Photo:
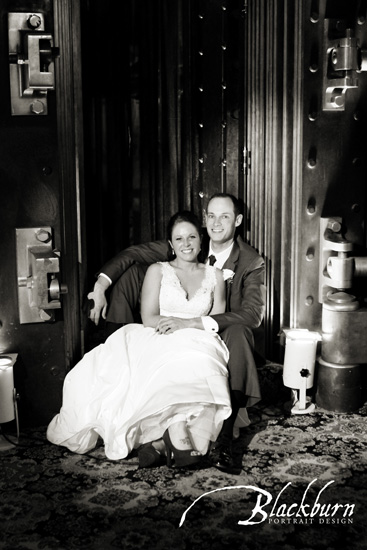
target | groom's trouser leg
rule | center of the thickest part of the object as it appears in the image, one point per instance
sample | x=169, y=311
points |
x=243, y=378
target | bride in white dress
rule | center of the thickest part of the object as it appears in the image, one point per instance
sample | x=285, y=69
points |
x=159, y=387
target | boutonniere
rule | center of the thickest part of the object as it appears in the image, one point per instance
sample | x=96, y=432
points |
x=228, y=275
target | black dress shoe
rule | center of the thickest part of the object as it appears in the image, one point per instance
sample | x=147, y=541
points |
x=221, y=457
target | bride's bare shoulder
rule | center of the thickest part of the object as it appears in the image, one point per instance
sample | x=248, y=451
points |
x=154, y=270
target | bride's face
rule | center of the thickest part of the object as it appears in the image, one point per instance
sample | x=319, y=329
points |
x=185, y=241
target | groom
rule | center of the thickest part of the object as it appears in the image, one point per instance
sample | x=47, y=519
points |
x=244, y=273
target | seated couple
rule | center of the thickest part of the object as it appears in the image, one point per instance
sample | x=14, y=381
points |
x=174, y=384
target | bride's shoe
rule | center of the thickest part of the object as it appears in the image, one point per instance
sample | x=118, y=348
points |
x=183, y=459
x=149, y=456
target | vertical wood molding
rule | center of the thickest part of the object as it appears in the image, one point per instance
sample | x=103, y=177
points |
x=286, y=165
x=297, y=171
x=69, y=127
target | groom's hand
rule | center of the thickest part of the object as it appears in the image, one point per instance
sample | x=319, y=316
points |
x=98, y=295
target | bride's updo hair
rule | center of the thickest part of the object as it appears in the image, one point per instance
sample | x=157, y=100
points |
x=182, y=216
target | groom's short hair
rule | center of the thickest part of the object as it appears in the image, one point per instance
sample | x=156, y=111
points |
x=237, y=206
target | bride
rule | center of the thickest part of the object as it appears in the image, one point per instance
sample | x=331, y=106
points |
x=160, y=387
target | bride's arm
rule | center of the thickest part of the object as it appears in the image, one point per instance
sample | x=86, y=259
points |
x=149, y=308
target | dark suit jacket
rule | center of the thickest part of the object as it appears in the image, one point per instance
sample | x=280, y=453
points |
x=245, y=292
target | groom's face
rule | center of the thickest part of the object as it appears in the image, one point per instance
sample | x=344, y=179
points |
x=221, y=220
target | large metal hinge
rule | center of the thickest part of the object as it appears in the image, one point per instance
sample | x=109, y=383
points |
x=344, y=59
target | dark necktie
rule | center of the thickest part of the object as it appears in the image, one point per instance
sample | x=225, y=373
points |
x=212, y=259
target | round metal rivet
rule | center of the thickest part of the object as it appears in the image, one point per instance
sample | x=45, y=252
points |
x=310, y=255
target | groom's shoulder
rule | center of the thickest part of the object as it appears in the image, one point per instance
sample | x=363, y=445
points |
x=247, y=253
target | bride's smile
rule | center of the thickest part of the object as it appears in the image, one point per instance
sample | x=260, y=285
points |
x=185, y=242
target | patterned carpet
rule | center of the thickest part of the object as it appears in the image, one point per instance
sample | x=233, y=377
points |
x=296, y=469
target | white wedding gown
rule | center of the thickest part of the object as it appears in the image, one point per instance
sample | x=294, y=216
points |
x=129, y=389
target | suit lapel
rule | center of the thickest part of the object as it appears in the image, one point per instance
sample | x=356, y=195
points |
x=231, y=264
x=232, y=260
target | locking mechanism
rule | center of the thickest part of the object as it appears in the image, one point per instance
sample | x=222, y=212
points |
x=38, y=266
x=31, y=58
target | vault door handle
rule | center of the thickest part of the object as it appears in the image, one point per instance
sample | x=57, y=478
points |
x=44, y=285
x=40, y=62
x=38, y=266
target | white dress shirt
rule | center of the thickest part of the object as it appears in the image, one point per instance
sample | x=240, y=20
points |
x=209, y=323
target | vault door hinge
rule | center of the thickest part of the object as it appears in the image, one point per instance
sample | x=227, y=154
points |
x=344, y=59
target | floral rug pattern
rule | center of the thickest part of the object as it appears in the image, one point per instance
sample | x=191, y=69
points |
x=304, y=475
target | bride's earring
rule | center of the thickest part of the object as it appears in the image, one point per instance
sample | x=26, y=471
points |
x=173, y=252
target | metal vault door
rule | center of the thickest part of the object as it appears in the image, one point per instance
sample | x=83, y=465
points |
x=307, y=172
x=41, y=244
x=328, y=290
x=331, y=171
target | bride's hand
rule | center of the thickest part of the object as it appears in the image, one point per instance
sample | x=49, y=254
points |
x=171, y=324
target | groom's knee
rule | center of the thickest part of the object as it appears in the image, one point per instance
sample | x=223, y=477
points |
x=238, y=336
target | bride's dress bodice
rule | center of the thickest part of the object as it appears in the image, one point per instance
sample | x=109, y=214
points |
x=173, y=299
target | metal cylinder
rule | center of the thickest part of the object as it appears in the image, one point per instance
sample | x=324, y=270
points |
x=360, y=267
x=339, y=387
x=7, y=411
x=344, y=339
